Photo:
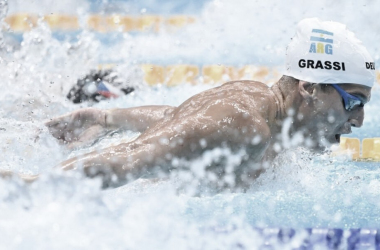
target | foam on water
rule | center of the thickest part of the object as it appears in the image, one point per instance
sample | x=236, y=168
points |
x=67, y=210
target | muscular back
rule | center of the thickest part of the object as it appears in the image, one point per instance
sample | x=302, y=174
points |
x=234, y=114
x=248, y=97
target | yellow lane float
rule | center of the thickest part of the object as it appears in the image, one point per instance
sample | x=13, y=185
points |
x=22, y=22
x=370, y=149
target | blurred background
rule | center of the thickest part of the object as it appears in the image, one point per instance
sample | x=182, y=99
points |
x=231, y=34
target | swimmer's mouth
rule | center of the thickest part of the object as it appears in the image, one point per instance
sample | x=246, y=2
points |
x=337, y=138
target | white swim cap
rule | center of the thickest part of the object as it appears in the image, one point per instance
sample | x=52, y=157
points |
x=326, y=52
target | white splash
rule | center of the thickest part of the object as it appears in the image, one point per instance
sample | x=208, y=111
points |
x=67, y=210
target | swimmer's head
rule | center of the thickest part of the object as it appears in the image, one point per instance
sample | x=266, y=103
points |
x=334, y=74
x=328, y=53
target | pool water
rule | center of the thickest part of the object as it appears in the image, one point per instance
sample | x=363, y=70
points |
x=69, y=211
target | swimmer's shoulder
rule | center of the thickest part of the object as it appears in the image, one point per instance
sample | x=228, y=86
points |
x=246, y=84
x=254, y=96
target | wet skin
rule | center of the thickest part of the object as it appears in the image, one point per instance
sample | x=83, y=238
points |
x=239, y=115
x=326, y=119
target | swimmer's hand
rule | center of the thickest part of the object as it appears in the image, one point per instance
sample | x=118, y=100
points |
x=79, y=128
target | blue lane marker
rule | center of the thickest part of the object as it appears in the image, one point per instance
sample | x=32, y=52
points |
x=312, y=238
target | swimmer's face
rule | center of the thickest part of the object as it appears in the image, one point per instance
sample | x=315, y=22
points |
x=325, y=117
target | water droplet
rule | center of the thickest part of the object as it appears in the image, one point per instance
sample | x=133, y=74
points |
x=331, y=118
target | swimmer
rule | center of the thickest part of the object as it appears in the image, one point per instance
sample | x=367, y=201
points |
x=320, y=97
x=98, y=85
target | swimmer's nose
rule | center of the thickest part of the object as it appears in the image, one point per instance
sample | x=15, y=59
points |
x=357, y=118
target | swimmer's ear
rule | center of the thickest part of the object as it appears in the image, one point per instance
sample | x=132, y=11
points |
x=306, y=90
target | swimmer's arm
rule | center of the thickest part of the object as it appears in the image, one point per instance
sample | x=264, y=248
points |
x=129, y=161
x=83, y=126
x=137, y=118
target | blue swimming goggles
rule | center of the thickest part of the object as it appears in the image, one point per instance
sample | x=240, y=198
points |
x=350, y=101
